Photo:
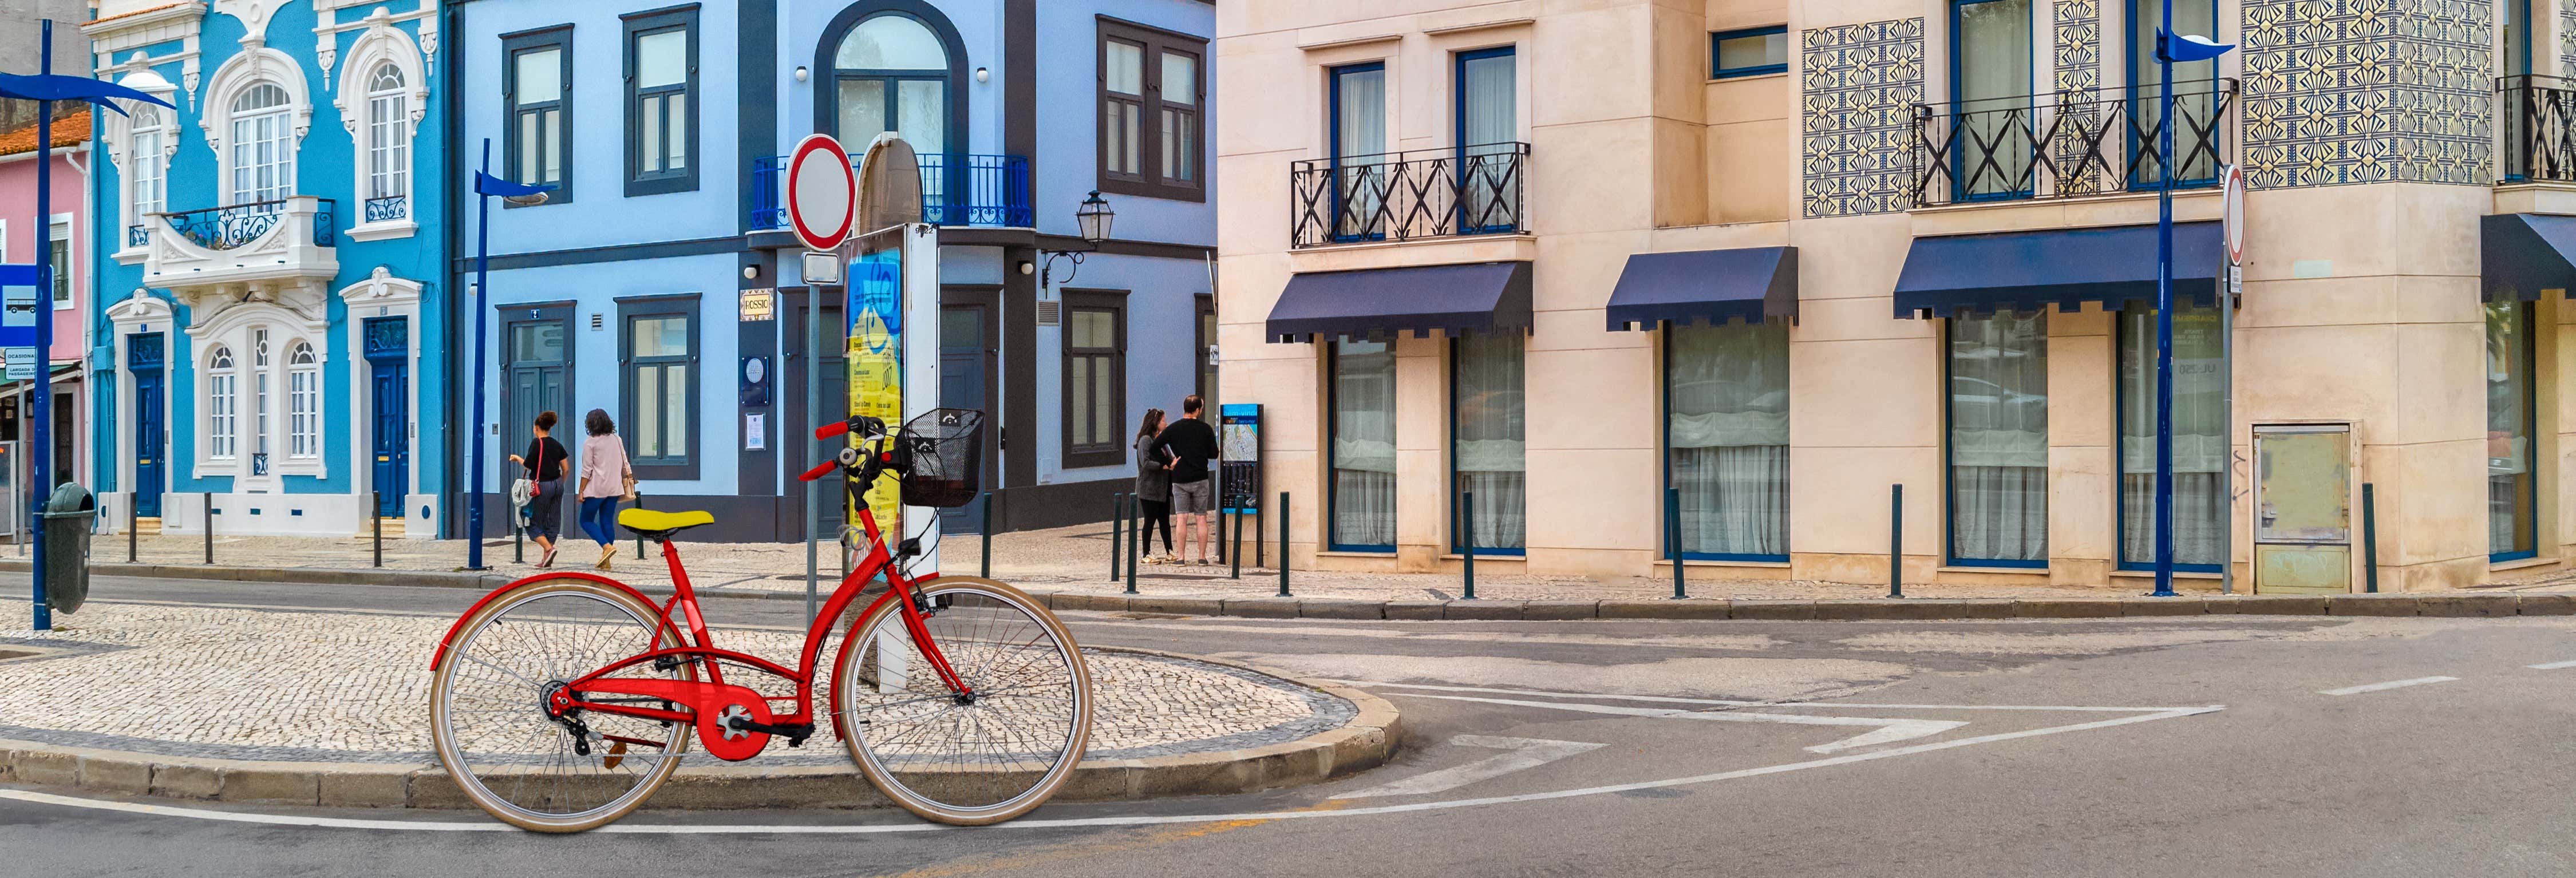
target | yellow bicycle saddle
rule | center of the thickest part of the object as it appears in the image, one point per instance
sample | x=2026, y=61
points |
x=656, y=524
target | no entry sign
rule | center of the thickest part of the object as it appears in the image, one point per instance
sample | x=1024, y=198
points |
x=822, y=192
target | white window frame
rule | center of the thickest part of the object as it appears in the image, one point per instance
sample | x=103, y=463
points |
x=381, y=44
x=249, y=69
x=221, y=372
x=118, y=136
x=304, y=402
x=263, y=393
x=64, y=229
x=241, y=162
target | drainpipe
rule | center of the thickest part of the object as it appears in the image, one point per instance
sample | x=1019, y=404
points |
x=451, y=115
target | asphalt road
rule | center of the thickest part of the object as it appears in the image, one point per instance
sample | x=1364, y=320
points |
x=1613, y=748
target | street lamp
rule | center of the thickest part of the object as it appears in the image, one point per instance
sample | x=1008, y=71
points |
x=486, y=188
x=2169, y=49
x=1092, y=219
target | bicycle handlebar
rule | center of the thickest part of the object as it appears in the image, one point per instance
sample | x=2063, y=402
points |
x=866, y=426
x=819, y=471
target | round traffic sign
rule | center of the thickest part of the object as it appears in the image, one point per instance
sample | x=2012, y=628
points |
x=2232, y=213
x=822, y=192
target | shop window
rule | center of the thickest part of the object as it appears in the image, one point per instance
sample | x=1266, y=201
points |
x=1488, y=429
x=1361, y=382
x=1726, y=427
x=2199, y=444
x=1998, y=440
x=2512, y=493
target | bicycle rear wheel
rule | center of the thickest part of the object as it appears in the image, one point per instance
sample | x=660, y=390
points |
x=489, y=723
x=966, y=760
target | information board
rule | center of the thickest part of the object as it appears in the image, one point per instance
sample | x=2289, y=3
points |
x=1239, y=456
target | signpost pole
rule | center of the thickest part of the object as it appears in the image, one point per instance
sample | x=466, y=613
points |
x=42, y=408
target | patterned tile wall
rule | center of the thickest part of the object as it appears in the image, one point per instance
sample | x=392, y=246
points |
x=1858, y=86
x=2567, y=38
x=2079, y=45
x=2367, y=91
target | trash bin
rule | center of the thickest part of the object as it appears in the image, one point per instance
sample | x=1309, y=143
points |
x=66, y=548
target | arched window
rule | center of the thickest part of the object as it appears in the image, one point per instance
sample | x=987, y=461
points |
x=388, y=141
x=222, y=385
x=262, y=142
x=146, y=169
x=259, y=413
x=890, y=73
x=304, y=402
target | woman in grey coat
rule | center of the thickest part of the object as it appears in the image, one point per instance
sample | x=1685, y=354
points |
x=1153, y=488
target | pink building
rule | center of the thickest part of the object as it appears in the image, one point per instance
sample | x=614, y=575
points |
x=69, y=247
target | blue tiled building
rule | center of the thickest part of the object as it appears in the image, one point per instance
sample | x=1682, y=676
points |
x=659, y=277
x=269, y=283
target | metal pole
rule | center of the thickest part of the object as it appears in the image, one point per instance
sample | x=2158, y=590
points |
x=1467, y=541
x=1896, y=541
x=1673, y=539
x=42, y=407
x=1283, y=544
x=1117, y=513
x=518, y=539
x=482, y=286
x=2369, y=538
x=209, y=498
x=2227, y=432
x=133, y=529
x=1238, y=545
x=1135, y=534
x=986, y=537
x=813, y=503
x=2164, y=306
x=639, y=538
x=1257, y=557
x=379, y=519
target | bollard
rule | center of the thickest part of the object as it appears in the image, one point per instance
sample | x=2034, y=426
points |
x=1467, y=541
x=1117, y=517
x=1238, y=545
x=2369, y=538
x=1135, y=534
x=1896, y=541
x=379, y=518
x=133, y=526
x=986, y=537
x=639, y=538
x=1283, y=545
x=210, y=526
x=518, y=542
x=1673, y=538
x=1257, y=557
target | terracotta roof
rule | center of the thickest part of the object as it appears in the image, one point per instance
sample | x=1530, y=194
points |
x=70, y=129
x=133, y=13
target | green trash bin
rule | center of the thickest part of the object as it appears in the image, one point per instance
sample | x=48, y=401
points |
x=67, y=525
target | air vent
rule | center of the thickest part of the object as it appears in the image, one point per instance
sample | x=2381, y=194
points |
x=1050, y=313
x=595, y=322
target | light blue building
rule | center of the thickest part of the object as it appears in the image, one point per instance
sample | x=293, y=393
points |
x=660, y=279
x=270, y=297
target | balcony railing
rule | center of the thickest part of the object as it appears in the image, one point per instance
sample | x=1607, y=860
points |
x=2070, y=145
x=137, y=236
x=388, y=208
x=224, y=228
x=2539, y=114
x=956, y=190
x=1403, y=196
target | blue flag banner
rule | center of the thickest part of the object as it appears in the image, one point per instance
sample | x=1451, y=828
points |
x=59, y=87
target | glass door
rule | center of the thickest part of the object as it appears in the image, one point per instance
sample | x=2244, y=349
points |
x=1488, y=134
x=1990, y=93
x=1358, y=138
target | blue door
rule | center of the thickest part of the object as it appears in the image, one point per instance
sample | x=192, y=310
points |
x=143, y=359
x=389, y=361
x=963, y=375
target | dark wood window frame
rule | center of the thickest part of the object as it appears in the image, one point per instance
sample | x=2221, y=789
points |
x=1113, y=452
x=687, y=305
x=1152, y=180
x=683, y=131
x=558, y=37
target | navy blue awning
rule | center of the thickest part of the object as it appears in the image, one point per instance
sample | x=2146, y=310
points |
x=2525, y=254
x=2026, y=271
x=1421, y=299
x=1715, y=286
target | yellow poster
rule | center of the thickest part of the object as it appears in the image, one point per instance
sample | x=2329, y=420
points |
x=875, y=308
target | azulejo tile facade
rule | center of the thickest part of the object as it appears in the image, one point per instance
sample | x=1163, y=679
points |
x=1858, y=87
x=2079, y=46
x=2567, y=38
x=2367, y=91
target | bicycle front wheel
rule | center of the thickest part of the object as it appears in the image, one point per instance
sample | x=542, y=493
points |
x=992, y=753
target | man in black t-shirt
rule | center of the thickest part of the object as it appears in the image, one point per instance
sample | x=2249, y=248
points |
x=1192, y=446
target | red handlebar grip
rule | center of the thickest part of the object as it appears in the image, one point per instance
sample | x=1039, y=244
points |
x=818, y=471
x=832, y=429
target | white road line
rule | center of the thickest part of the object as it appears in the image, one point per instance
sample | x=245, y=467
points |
x=1662, y=699
x=1525, y=753
x=2392, y=684
x=1134, y=820
x=2551, y=666
x=1888, y=729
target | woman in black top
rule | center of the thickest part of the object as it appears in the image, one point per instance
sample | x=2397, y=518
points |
x=545, y=464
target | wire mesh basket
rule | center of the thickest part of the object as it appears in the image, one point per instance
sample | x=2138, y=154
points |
x=941, y=456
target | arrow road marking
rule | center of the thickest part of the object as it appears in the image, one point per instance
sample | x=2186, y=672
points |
x=1888, y=730
x=1525, y=753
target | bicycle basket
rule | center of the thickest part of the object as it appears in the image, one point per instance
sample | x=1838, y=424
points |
x=941, y=457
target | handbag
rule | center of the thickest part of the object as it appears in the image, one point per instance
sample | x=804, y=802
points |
x=630, y=487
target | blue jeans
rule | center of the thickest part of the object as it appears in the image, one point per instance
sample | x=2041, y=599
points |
x=597, y=515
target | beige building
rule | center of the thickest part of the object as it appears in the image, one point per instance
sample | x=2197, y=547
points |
x=1764, y=261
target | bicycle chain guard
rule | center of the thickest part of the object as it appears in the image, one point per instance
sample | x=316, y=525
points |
x=708, y=702
x=725, y=742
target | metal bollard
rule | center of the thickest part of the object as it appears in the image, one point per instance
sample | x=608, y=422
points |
x=1238, y=545
x=2369, y=538
x=1673, y=539
x=133, y=527
x=378, y=516
x=210, y=526
x=1257, y=558
x=1135, y=535
x=1117, y=518
x=639, y=538
x=1283, y=545
x=1467, y=540
x=1896, y=541
x=986, y=537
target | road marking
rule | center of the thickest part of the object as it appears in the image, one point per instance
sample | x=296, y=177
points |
x=2551, y=666
x=1888, y=730
x=2392, y=684
x=1132, y=820
x=1665, y=699
x=1525, y=753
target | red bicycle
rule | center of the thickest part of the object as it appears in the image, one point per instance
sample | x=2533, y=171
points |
x=560, y=702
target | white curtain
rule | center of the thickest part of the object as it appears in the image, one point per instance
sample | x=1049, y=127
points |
x=1491, y=451
x=1359, y=116
x=1363, y=462
x=1992, y=50
x=2508, y=447
x=2199, y=436
x=1728, y=428
x=1999, y=438
x=2195, y=91
x=1489, y=132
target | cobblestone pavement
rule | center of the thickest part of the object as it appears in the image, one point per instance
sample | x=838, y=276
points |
x=354, y=687
x=1077, y=559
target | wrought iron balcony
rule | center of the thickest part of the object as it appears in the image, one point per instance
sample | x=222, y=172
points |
x=956, y=190
x=2069, y=145
x=1404, y=196
x=231, y=226
x=137, y=236
x=388, y=208
x=289, y=241
x=2539, y=115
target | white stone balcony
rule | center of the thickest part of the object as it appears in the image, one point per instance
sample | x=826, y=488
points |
x=266, y=248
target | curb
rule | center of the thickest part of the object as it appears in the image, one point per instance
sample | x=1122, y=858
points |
x=1367, y=741
x=2437, y=604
